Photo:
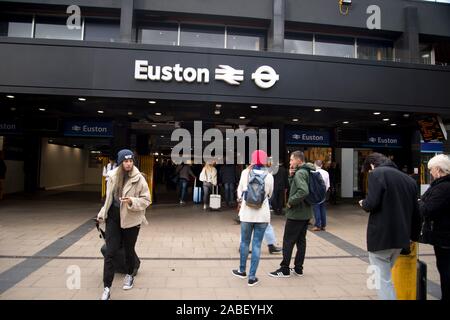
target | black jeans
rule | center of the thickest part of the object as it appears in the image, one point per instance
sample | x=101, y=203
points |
x=277, y=200
x=294, y=234
x=115, y=237
x=443, y=266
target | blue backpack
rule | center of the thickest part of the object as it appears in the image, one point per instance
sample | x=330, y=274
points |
x=317, y=188
x=255, y=194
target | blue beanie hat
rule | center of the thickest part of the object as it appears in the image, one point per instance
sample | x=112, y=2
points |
x=124, y=154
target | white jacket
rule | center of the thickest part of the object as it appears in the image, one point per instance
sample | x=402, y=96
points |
x=249, y=214
x=209, y=175
x=137, y=189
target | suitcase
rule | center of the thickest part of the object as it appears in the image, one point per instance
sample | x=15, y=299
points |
x=215, y=200
x=421, y=280
x=197, y=193
x=119, y=258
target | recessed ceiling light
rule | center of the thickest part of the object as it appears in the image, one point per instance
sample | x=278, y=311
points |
x=100, y=111
x=218, y=105
x=386, y=119
x=130, y=113
x=254, y=107
x=10, y=96
x=295, y=120
x=41, y=109
x=217, y=112
x=50, y=140
x=152, y=102
x=158, y=113
x=75, y=145
x=393, y=124
x=162, y=136
x=82, y=99
x=317, y=110
x=13, y=109
x=241, y=117
x=154, y=125
x=345, y=122
x=377, y=113
x=406, y=115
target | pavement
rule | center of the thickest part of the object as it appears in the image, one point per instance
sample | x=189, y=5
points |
x=50, y=249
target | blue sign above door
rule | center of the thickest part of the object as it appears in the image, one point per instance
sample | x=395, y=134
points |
x=88, y=129
x=431, y=147
x=384, y=141
x=318, y=138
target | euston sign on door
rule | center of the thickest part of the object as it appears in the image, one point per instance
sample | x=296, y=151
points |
x=9, y=127
x=320, y=138
x=264, y=77
x=88, y=129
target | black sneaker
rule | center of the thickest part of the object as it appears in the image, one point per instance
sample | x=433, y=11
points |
x=253, y=282
x=128, y=282
x=239, y=274
x=297, y=273
x=280, y=273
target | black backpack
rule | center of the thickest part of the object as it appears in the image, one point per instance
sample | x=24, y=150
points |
x=317, y=188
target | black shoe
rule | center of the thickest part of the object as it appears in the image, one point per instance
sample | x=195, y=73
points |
x=297, y=272
x=280, y=273
x=239, y=274
x=253, y=282
x=274, y=249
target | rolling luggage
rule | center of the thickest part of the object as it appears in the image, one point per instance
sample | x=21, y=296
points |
x=197, y=193
x=215, y=200
x=119, y=258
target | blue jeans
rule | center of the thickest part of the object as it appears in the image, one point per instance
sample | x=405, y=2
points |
x=320, y=215
x=229, y=192
x=258, y=230
x=183, y=188
x=383, y=261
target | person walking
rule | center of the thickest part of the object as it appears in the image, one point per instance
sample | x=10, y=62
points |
x=127, y=198
x=254, y=190
x=434, y=207
x=227, y=177
x=394, y=219
x=298, y=213
x=320, y=211
x=184, y=171
x=281, y=184
x=209, y=178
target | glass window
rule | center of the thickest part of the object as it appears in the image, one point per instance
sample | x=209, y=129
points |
x=298, y=44
x=16, y=26
x=165, y=34
x=210, y=37
x=335, y=46
x=425, y=53
x=100, y=30
x=242, y=39
x=375, y=50
x=55, y=28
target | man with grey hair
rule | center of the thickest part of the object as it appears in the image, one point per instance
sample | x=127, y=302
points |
x=320, y=213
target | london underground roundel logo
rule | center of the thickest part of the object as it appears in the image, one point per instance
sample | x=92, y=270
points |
x=265, y=77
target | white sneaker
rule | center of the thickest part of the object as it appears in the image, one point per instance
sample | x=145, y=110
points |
x=106, y=294
x=128, y=282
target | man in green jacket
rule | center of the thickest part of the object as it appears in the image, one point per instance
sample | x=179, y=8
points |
x=298, y=213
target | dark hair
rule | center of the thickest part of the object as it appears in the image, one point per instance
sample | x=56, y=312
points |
x=374, y=158
x=298, y=155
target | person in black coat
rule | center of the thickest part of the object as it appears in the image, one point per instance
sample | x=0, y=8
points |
x=394, y=217
x=280, y=185
x=228, y=178
x=434, y=208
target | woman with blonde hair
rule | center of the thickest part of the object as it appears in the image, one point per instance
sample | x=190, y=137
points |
x=434, y=207
x=209, y=178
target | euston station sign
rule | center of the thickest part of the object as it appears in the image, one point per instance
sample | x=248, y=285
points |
x=264, y=77
x=320, y=138
x=88, y=129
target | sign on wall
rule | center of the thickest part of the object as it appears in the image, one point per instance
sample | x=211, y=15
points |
x=384, y=141
x=88, y=129
x=306, y=137
x=9, y=127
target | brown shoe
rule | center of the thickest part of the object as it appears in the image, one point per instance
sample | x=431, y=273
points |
x=323, y=229
x=316, y=229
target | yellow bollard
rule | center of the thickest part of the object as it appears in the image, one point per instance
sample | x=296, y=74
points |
x=404, y=275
